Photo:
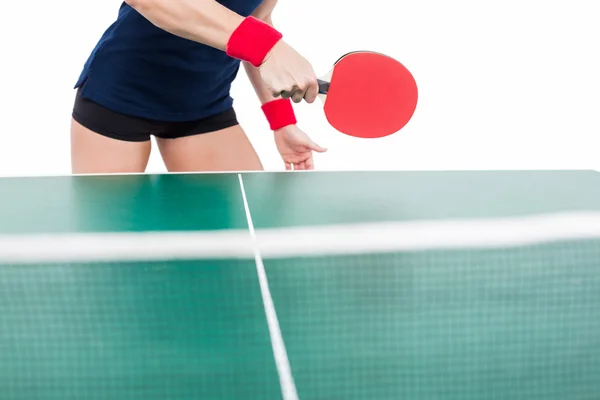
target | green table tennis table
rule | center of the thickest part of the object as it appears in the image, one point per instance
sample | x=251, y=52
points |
x=301, y=285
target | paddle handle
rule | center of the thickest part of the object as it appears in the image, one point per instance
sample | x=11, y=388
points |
x=323, y=86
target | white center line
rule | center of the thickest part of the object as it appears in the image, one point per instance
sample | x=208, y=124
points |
x=286, y=380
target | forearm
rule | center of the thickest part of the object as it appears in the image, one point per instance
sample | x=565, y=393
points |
x=263, y=93
x=203, y=21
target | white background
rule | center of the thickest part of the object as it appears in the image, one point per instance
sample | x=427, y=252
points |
x=503, y=85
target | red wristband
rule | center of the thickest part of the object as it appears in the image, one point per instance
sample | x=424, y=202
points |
x=279, y=113
x=252, y=40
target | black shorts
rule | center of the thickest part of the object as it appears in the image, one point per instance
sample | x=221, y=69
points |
x=112, y=124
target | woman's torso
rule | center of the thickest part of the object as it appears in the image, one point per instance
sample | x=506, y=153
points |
x=144, y=71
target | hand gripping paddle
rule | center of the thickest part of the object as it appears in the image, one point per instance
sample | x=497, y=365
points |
x=368, y=95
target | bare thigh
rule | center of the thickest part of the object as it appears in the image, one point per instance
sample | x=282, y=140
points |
x=93, y=153
x=228, y=149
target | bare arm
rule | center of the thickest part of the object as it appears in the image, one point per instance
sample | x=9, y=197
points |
x=203, y=21
x=263, y=12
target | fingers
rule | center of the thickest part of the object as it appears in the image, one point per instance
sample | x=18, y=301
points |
x=287, y=93
x=312, y=90
x=307, y=89
x=297, y=96
x=301, y=166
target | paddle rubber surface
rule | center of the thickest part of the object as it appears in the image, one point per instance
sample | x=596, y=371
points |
x=370, y=95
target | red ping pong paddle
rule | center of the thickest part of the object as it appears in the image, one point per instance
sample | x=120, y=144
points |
x=368, y=95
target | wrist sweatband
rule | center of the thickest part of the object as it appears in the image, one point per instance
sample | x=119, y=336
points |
x=252, y=40
x=279, y=113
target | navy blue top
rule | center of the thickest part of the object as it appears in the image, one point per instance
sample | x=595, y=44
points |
x=144, y=71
